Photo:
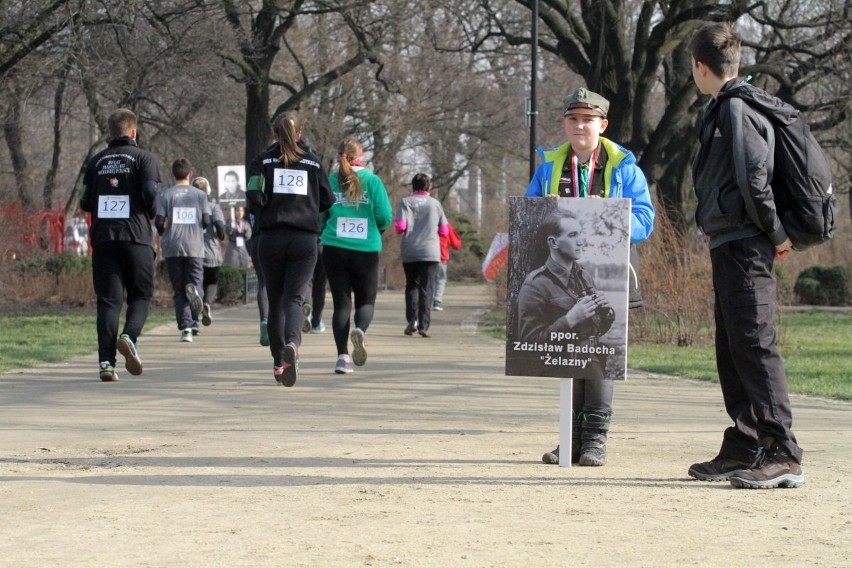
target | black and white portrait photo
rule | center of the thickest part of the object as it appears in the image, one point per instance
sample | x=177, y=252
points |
x=231, y=185
x=568, y=288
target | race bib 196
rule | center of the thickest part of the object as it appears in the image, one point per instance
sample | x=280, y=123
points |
x=351, y=228
x=290, y=181
x=183, y=216
x=113, y=206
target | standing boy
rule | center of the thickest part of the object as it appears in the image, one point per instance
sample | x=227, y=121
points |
x=732, y=174
x=589, y=165
x=183, y=213
x=119, y=190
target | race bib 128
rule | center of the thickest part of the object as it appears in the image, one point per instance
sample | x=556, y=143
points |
x=294, y=182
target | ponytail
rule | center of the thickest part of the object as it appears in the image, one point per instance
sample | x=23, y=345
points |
x=348, y=152
x=287, y=127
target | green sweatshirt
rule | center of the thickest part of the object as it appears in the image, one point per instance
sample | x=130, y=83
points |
x=358, y=226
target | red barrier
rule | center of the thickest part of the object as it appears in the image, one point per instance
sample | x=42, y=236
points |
x=28, y=233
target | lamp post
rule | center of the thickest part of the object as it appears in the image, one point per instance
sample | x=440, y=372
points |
x=531, y=103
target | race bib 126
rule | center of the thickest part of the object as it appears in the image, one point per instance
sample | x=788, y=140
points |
x=351, y=228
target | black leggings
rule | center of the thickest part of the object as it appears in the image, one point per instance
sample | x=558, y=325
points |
x=211, y=284
x=318, y=290
x=348, y=272
x=287, y=259
x=262, y=300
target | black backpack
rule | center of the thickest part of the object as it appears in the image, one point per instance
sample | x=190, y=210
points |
x=801, y=185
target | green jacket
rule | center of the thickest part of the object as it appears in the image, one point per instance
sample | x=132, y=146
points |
x=358, y=226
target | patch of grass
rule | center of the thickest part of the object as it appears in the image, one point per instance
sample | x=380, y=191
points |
x=30, y=339
x=493, y=324
x=814, y=344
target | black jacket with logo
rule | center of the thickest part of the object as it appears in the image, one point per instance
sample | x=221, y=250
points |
x=122, y=169
x=276, y=209
x=734, y=164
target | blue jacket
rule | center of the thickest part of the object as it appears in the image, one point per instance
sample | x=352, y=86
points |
x=622, y=178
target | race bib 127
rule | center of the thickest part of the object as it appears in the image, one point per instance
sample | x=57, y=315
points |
x=113, y=206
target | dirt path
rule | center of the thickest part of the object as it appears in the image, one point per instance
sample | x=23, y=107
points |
x=428, y=456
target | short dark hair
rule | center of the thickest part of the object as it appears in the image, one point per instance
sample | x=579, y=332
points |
x=717, y=46
x=421, y=182
x=181, y=168
x=552, y=225
x=120, y=123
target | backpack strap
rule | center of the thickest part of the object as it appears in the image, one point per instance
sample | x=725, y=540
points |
x=735, y=110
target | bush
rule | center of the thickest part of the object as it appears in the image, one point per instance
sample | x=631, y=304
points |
x=65, y=264
x=676, y=284
x=58, y=279
x=231, y=284
x=825, y=286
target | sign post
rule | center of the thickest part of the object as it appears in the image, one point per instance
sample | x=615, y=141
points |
x=567, y=298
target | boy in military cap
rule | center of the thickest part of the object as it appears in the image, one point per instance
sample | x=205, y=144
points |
x=589, y=165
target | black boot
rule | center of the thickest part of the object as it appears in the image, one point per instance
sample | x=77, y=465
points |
x=552, y=457
x=576, y=439
x=595, y=426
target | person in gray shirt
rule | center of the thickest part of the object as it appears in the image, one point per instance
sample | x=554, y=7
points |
x=421, y=221
x=183, y=213
x=214, y=234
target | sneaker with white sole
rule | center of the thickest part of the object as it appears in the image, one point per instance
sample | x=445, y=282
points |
x=318, y=328
x=264, y=334
x=359, y=352
x=307, y=310
x=186, y=336
x=288, y=372
x=344, y=365
x=107, y=372
x=196, y=303
x=773, y=468
x=206, y=317
x=132, y=361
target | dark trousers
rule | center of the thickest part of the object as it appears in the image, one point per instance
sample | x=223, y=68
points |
x=287, y=259
x=317, y=286
x=119, y=267
x=262, y=298
x=419, y=292
x=751, y=371
x=351, y=272
x=211, y=283
x=592, y=396
x=185, y=270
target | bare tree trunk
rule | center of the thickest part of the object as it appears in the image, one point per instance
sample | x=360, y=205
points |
x=257, y=118
x=13, y=134
x=58, y=98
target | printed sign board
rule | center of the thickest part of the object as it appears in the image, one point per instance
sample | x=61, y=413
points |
x=231, y=186
x=568, y=288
